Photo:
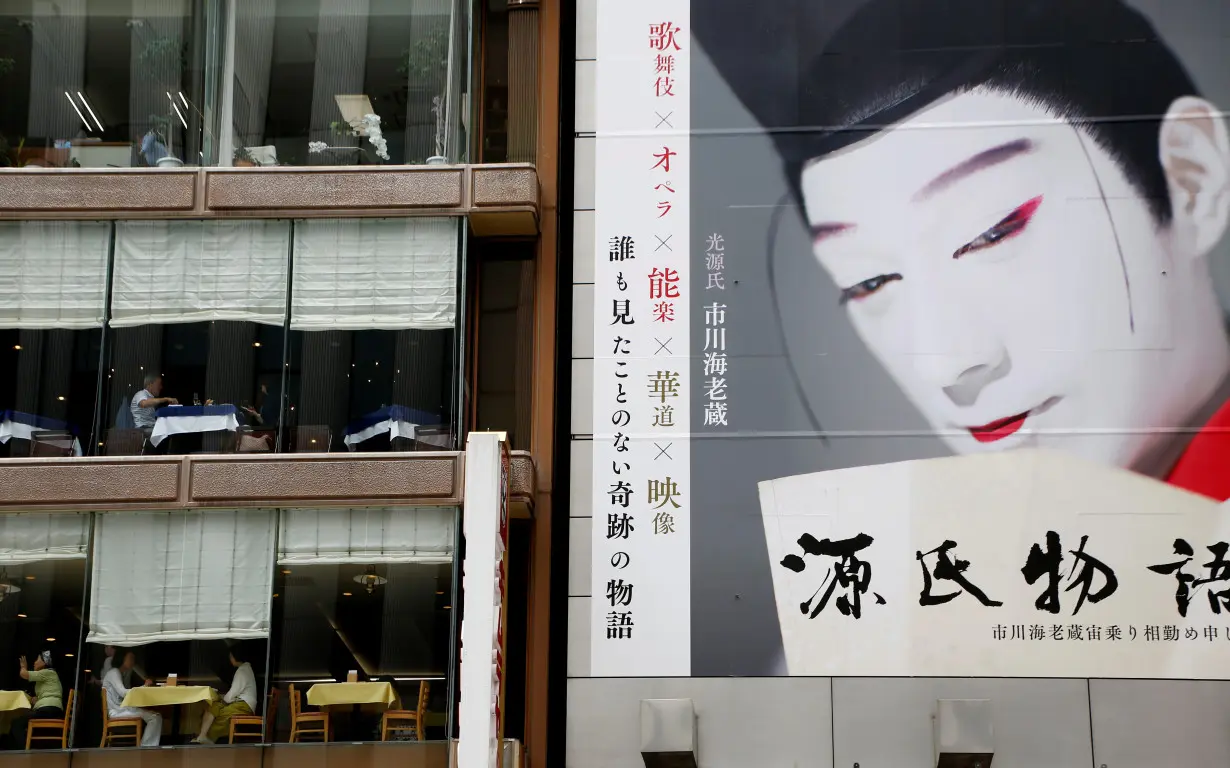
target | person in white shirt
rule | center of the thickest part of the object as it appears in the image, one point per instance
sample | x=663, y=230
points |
x=115, y=691
x=109, y=662
x=147, y=401
x=239, y=700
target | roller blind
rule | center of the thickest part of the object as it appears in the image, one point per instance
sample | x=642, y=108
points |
x=181, y=575
x=192, y=271
x=53, y=274
x=35, y=537
x=390, y=274
x=367, y=535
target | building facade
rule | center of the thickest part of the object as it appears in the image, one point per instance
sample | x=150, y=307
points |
x=898, y=384
x=268, y=264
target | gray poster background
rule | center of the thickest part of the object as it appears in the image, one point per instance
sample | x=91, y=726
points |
x=736, y=185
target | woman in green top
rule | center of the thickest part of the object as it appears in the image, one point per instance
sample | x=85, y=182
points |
x=48, y=695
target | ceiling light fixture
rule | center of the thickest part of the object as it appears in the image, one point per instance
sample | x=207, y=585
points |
x=370, y=580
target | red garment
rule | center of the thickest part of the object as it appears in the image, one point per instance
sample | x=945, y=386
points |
x=1204, y=467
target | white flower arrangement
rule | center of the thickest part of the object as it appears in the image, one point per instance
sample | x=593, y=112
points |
x=368, y=127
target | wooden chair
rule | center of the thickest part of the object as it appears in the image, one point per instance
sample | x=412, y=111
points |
x=253, y=726
x=113, y=727
x=317, y=723
x=53, y=729
x=405, y=720
x=51, y=443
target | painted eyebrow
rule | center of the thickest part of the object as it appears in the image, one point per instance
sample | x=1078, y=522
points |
x=831, y=229
x=979, y=162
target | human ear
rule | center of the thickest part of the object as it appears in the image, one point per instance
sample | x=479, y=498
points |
x=1194, y=149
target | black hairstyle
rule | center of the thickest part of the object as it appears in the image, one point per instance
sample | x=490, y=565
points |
x=236, y=652
x=1097, y=63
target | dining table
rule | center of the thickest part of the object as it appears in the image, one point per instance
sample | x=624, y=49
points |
x=193, y=419
x=187, y=701
x=360, y=698
x=24, y=426
x=394, y=420
x=12, y=705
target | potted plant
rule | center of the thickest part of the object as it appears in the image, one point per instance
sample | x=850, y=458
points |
x=426, y=63
x=243, y=158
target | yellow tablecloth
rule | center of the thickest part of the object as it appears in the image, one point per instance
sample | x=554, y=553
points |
x=12, y=704
x=13, y=700
x=163, y=696
x=333, y=694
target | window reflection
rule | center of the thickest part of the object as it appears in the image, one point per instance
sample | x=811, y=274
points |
x=101, y=83
x=178, y=624
x=42, y=592
x=308, y=73
x=364, y=593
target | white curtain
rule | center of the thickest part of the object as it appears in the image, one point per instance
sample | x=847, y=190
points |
x=181, y=575
x=390, y=274
x=369, y=535
x=53, y=274
x=35, y=537
x=192, y=271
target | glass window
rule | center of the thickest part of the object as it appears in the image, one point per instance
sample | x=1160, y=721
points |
x=42, y=596
x=196, y=350
x=373, y=352
x=182, y=594
x=53, y=282
x=369, y=592
x=338, y=82
x=102, y=83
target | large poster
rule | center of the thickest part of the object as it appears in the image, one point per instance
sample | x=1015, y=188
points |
x=948, y=353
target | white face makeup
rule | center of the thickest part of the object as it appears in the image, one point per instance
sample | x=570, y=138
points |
x=1000, y=266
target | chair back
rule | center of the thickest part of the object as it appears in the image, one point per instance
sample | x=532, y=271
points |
x=295, y=703
x=421, y=709
x=271, y=711
x=68, y=711
x=51, y=443
x=122, y=441
x=106, y=712
x=437, y=437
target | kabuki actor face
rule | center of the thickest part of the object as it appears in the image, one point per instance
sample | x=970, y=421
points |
x=1018, y=202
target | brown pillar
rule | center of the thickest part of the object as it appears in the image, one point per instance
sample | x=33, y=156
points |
x=522, y=80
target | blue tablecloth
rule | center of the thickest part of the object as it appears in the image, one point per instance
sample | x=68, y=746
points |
x=38, y=422
x=25, y=425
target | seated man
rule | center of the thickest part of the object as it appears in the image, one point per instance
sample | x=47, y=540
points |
x=115, y=691
x=48, y=696
x=146, y=402
x=239, y=700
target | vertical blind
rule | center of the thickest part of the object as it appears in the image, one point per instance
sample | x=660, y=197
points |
x=53, y=274
x=181, y=575
x=193, y=271
x=389, y=274
x=35, y=537
x=368, y=535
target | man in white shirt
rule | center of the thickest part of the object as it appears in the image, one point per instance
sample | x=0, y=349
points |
x=147, y=401
x=115, y=691
x=239, y=700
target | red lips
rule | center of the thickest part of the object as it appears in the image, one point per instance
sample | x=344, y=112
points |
x=998, y=430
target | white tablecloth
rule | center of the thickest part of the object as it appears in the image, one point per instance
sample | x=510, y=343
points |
x=166, y=426
x=10, y=429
